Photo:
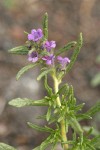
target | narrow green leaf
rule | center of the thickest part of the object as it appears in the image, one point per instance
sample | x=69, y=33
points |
x=44, y=73
x=66, y=91
x=66, y=48
x=20, y=50
x=42, y=129
x=96, y=141
x=75, y=53
x=90, y=147
x=93, y=110
x=90, y=131
x=19, y=102
x=48, y=114
x=61, y=118
x=46, y=143
x=25, y=69
x=96, y=80
x=54, y=145
x=83, y=116
x=71, y=90
x=74, y=136
x=75, y=125
x=6, y=147
x=67, y=142
x=62, y=89
x=36, y=148
x=45, y=26
x=41, y=117
x=79, y=107
x=49, y=90
x=52, y=119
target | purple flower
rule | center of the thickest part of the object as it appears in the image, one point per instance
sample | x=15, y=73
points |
x=33, y=56
x=49, y=45
x=35, y=35
x=49, y=59
x=63, y=61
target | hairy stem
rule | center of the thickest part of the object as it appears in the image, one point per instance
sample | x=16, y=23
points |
x=62, y=122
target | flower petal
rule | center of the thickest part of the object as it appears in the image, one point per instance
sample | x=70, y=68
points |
x=30, y=37
x=33, y=31
x=59, y=58
x=48, y=62
x=35, y=59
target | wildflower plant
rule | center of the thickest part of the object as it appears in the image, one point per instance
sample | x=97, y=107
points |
x=63, y=110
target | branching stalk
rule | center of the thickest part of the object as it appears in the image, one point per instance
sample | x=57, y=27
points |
x=62, y=122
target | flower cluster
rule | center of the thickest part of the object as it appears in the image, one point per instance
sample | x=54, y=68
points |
x=36, y=37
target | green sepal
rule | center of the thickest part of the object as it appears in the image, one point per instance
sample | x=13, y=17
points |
x=75, y=53
x=20, y=50
x=66, y=48
x=4, y=146
x=43, y=53
x=25, y=69
x=19, y=102
x=42, y=74
x=45, y=26
x=26, y=32
x=38, y=128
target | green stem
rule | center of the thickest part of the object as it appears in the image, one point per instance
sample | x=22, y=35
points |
x=62, y=122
